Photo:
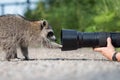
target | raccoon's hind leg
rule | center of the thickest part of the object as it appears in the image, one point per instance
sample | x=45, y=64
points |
x=15, y=53
x=11, y=53
x=24, y=49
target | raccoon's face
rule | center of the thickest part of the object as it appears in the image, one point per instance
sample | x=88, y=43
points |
x=47, y=31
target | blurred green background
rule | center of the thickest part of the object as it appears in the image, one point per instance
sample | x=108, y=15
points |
x=81, y=15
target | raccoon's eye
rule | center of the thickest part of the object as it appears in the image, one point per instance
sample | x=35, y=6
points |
x=50, y=34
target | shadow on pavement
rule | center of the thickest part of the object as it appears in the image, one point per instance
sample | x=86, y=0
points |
x=57, y=59
x=73, y=59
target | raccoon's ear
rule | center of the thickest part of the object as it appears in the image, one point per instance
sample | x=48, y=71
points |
x=44, y=23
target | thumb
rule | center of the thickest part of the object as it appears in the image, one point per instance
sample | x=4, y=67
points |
x=109, y=42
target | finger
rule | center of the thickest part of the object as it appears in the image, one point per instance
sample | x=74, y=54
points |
x=98, y=49
x=109, y=41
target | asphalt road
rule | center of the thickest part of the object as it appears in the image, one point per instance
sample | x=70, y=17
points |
x=53, y=64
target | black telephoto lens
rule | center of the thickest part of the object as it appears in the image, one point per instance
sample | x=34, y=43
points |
x=71, y=39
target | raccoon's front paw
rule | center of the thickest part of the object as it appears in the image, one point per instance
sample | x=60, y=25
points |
x=55, y=45
x=26, y=58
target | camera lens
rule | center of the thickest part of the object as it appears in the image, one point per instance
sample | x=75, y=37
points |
x=71, y=39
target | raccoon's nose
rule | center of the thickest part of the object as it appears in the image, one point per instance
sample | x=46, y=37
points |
x=53, y=38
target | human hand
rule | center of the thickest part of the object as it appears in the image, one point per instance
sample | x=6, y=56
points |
x=107, y=51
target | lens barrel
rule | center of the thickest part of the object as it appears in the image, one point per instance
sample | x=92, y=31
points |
x=71, y=39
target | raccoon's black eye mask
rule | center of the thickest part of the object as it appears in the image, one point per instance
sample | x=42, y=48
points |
x=50, y=34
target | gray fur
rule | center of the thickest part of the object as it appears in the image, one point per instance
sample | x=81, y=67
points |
x=17, y=31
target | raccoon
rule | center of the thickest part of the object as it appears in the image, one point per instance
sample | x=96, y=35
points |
x=15, y=31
